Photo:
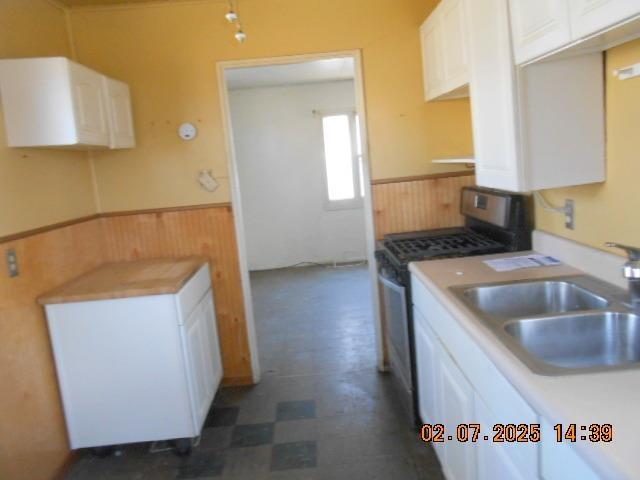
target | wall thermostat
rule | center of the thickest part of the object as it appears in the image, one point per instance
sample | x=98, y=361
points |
x=187, y=131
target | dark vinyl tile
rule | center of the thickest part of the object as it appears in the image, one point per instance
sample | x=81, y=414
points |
x=221, y=416
x=296, y=410
x=248, y=462
x=252, y=435
x=217, y=438
x=296, y=431
x=201, y=463
x=295, y=455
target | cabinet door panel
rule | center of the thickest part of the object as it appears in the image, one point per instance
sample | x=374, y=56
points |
x=591, y=16
x=426, y=366
x=499, y=460
x=433, y=74
x=199, y=364
x=456, y=407
x=538, y=27
x=455, y=59
x=493, y=96
x=120, y=116
x=89, y=105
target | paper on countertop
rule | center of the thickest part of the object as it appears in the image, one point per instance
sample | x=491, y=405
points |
x=526, y=261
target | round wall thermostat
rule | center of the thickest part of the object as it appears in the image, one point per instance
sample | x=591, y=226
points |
x=187, y=131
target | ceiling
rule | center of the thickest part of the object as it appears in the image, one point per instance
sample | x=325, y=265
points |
x=316, y=71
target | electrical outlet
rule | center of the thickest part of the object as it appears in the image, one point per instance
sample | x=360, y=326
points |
x=12, y=263
x=569, y=214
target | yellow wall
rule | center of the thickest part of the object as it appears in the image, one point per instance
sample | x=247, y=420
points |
x=608, y=211
x=168, y=54
x=38, y=187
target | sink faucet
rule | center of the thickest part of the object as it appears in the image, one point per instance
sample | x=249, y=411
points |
x=631, y=271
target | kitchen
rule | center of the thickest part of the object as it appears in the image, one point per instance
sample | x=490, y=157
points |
x=539, y=125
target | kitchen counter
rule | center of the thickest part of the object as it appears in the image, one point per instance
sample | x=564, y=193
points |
x=126, y=279
x=607, y=397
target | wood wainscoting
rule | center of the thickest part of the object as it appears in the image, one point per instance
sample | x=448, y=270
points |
x=33, y=439
x=205, y=231
x=419, y=203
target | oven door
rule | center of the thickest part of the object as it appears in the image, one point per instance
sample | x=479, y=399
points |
x=397, y=333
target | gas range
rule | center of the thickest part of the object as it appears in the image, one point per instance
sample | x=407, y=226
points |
x=495, y=222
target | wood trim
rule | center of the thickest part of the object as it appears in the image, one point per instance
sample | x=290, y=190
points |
x=419, y=178
x=203, y=206
x=54, y=226
x=238, y=381
x=47, y=228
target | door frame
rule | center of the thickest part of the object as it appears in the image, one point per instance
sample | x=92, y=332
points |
x=236, y=200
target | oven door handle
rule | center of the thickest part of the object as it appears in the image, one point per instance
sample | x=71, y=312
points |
x=390, y=283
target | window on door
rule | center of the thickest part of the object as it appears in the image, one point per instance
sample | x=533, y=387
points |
x=343, y=160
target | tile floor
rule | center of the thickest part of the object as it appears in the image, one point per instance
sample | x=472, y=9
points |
x=321, y=411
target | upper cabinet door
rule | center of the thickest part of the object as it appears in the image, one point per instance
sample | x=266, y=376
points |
x=591, y=16
x=118, y=100
x=493, y=96
x=538, y=27
x=455, y=58
x=89, y=105
x=430, y=38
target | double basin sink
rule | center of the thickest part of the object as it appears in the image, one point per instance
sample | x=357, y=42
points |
x=559, y=326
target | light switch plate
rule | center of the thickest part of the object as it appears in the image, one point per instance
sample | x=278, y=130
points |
x=12, y=263
x=569, y=214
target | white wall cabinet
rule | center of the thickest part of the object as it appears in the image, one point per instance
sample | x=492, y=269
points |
x=118, y=100
x=591, y=16
x=460, y=384
x=549, y=26
x=535, y=127
x=54, y=102
x=538, y=27
x=444, y=52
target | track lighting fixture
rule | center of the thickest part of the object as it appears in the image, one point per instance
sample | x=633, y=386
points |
x=233, y=17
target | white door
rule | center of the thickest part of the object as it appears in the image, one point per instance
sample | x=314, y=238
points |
x=89, y=105
x=454, y=57
x=456, y=407
x=432, y=67
x=538, y=27
x=591, y=16
x=493, y=96
x=494, y=460
x=118, y=100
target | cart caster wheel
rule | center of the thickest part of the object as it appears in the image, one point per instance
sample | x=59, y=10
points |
x=102, y=452
x=183, y=446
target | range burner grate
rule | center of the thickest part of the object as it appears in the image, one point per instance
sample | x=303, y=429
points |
x=439, y=246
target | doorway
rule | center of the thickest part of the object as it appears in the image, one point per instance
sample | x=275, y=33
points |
x=297, y=142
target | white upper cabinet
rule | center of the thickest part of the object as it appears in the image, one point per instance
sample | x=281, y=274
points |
x=591, y=16
x=444, y=54
x=535, y=127
x=549, y=27
x=538, y=27
x=54, y=102
x=118, y=99
x=89, y=106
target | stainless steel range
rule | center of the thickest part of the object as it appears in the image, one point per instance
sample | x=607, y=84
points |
x=495, y=222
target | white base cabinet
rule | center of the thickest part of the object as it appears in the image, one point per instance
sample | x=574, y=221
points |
x=137, y=369
x=458, y=384
x=54, y=102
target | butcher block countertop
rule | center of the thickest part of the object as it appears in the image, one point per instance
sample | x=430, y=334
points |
x=127, y=279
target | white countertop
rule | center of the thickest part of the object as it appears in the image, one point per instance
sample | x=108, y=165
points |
x=609, y=397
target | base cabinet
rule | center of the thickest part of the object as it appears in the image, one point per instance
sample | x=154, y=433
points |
x=458, y=384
